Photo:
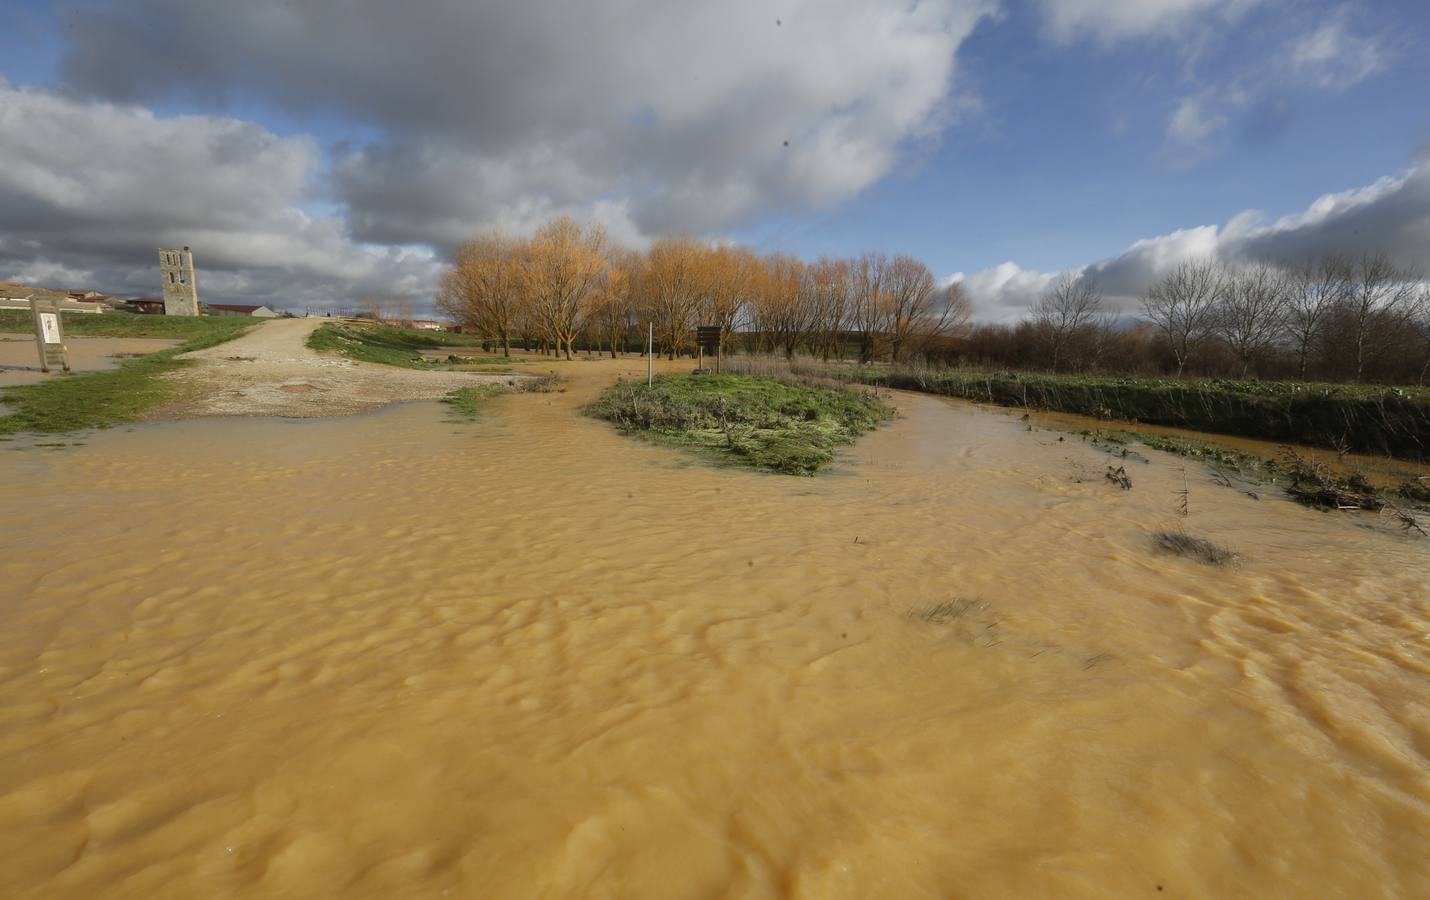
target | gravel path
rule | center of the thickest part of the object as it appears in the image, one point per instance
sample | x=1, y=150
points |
x=270, y=371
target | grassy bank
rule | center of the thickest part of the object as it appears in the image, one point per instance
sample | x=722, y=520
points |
x=101, y=399
x=132, y=325
x=760, y=422
x=371, y=342
x=1386, y=421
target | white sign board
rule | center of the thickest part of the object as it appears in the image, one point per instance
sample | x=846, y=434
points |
x=50, y=327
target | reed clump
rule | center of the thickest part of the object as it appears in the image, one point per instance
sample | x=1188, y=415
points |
x=1200, y=549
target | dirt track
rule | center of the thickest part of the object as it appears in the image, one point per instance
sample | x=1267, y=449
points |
x=270, y=371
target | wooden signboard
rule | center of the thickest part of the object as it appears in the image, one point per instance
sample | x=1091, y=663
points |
x=49, y=334
x=707, y=338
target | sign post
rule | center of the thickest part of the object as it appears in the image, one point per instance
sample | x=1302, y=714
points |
x=49, y=334
x=707, y=337
x=650, y=354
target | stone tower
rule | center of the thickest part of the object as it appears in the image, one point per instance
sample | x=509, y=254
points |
x=181, y=294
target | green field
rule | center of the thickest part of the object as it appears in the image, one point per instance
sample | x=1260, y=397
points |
x=764, y=423
x=131, y=325
x=371, y=342
x=122, y=394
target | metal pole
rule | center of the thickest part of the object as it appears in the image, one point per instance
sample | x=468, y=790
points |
x=650, y=354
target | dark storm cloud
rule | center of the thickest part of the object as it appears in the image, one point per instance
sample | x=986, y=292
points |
x=655, y=116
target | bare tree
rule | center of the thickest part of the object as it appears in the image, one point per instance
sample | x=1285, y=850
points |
x=917, y=309
x=831, y=292
x=563, y=268
x=781, y=307
x=1317, y=289
x=868, y=304
x=1420, y=321
x=485, y=288
x=1070, y=304
x=732, y=275
x=672, y=290
x=1378, y=290
x=613, y=301
x=1182, y=306
x=1250, y=310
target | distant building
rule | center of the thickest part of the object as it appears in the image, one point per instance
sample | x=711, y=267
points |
x=240, y=309
x=181, y=293
x=428, y=325
x=149, y=306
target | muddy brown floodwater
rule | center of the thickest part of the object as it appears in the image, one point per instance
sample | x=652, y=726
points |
x=20, y=363
x=395, y=656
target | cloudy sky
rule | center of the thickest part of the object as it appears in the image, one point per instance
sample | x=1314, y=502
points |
x=316, y=151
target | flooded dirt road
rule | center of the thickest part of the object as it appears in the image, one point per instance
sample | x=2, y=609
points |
x=395, y=656
x=271, y=371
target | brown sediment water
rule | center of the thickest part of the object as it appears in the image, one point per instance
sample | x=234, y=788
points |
x=20, y=362
x=1382, y=471
x=394, y=656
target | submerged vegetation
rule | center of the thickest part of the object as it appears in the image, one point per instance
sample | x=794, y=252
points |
x=123, y=394
x=1372, y=419
x=385, y=344
x=1200, y=549
x=468, y=401
x=785, y=426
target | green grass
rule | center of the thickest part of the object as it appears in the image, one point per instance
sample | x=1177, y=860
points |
x=764, y=423
x=130, y=325
x=1390, y=421
x=122, y=394
x=468, y=401
x=374, y=343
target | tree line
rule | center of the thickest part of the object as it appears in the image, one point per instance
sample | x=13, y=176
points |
x=1330, y=318
x=568, y=287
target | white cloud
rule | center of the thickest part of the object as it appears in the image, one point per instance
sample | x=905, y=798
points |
x=664, y=116
x=90, y=190
x=1333, y=58
x=1390, y=215
x=1194, y=121
x=1004, y=292
x=1109, y=21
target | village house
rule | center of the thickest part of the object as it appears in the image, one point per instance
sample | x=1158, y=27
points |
x=240, y=309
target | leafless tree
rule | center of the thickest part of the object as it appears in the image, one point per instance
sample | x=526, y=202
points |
x=1420, y=321
x=1378, y=291
x=1182, y=306
x=1317, y=289
x=830, y=289
x=1070, y=304
x=672, y=289
x=485, y=289
x=565, y=264
x=780, y=308
x=868, y=304
x=917, y=308
x=732, y=275
x=1249, y=311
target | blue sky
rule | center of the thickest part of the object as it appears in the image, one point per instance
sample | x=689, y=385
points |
x=352, y=144
x=1068, y=159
